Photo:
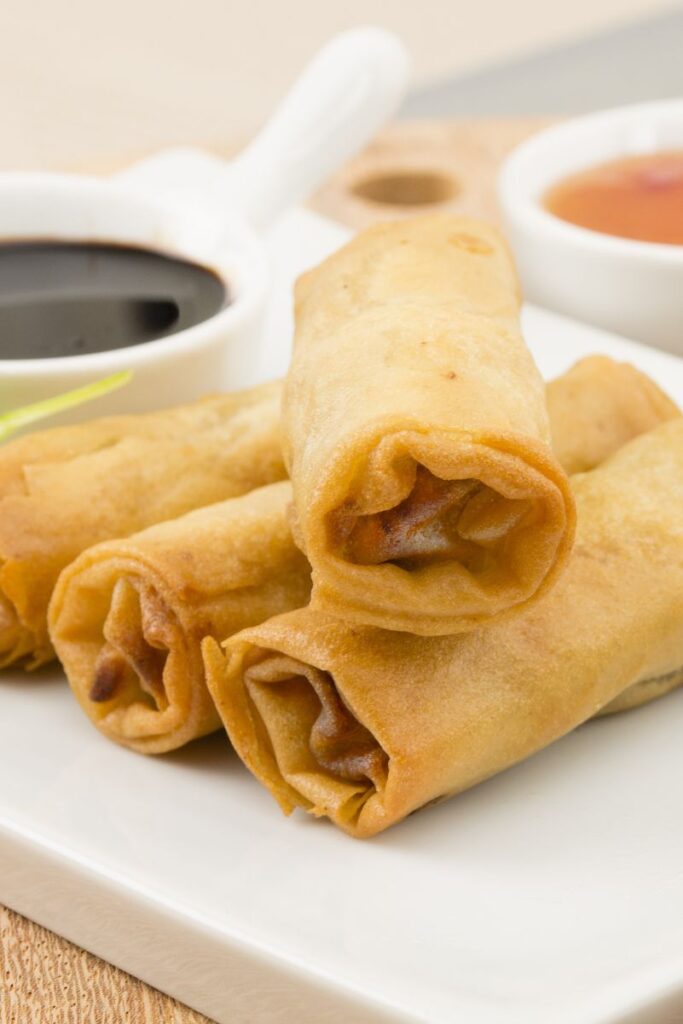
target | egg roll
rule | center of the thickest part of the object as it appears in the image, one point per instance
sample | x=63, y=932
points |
x=426, y=493
x=128, y=616
x=365, y=726
x=65, y=489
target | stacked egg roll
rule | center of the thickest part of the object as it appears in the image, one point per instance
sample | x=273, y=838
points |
x=128, y=616
x=63, y=490
x=426, y=493
x=365, y=726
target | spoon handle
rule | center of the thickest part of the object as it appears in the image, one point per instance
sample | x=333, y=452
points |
x=347, y=92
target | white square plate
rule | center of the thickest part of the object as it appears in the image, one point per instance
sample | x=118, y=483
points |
x=552, y=894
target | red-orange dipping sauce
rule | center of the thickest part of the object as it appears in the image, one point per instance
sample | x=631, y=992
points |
x=637, y=197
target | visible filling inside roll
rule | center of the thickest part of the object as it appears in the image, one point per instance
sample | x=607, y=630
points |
x=313, y=728
x=137, y=636
x=439, y=520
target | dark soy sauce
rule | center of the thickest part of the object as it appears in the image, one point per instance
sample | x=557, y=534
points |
x=69, y=299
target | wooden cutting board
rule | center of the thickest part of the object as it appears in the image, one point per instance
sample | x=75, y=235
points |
x=410, y=168
x=416, y=167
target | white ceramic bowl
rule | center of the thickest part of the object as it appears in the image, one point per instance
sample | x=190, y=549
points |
x=633, y=288
x=195, y=206
x=165, y=371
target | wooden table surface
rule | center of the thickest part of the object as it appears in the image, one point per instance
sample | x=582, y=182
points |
x=410, y=168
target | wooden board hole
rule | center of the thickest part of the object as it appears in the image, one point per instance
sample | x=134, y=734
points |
x=406, y=188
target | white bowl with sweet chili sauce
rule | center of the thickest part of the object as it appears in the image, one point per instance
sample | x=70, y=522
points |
x=627, y=285
x=197, y=210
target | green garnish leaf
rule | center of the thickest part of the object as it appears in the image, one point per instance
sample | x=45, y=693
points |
x=16, y=418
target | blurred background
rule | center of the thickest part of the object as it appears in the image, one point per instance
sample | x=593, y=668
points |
x=90, y=85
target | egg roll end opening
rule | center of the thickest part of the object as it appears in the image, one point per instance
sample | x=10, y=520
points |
x=137, y=633
x=132, y=670
x=437, y=521
x=288, y=722
x=481, y=526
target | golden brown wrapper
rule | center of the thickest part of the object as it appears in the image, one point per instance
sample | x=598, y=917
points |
x=365, y=726
x=644, y=692
x=65, y=489
x=128, y=616
x=426, y=493
x=597, y=406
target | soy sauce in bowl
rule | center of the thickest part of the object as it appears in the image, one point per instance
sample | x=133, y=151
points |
x=70, y=299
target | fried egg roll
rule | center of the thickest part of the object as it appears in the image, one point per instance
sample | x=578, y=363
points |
x=366, y=726
x=426, y=493
x=128, y=616
x=65, y=489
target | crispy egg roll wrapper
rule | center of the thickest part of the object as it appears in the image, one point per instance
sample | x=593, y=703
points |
x=597, y=406
x=65, y=489
x=644, y=692
x=426, y=493
x=128, y=616
x=365, y=726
